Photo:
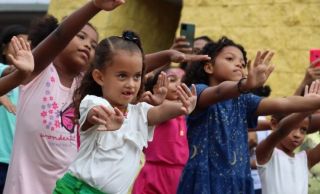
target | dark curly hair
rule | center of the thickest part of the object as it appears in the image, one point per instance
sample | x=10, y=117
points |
x=103, y=57
x=195, y=73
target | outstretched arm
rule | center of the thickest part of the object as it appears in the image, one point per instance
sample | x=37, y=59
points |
x=313, y=156
x=50, y=47
x=265, y=148
x=159, y=59
x=171, y=109
x=258, y=74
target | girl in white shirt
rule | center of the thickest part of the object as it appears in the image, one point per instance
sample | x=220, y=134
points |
x=114, y=131
x=281, y=170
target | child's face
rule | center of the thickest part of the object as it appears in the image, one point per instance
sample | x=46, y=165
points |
x=296, y=136
x=228, y=65
x=121, y=80
x=174, y=76
x=80, y=51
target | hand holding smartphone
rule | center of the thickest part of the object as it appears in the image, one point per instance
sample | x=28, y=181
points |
x=314, y=55
x=188, y=31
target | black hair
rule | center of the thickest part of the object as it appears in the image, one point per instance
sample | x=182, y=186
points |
x=195, y=73
x=263, y=91
x=103, y=57
x=40, y=28
x=7, y=34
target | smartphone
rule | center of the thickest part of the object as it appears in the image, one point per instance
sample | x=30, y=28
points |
x=188, y=31
x=315, y=54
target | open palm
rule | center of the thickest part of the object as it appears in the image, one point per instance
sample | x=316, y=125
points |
x=312, y=91
x=260, y=70
x=22, y=57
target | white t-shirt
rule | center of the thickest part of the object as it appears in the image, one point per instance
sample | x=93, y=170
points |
x=283, y=174
x=109, y=160
x=261, y=135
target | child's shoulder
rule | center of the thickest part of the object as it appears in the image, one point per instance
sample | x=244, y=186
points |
x=92, y=100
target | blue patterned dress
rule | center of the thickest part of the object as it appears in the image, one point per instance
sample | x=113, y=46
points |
x=218, y=142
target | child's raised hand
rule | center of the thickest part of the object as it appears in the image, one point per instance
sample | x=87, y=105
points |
x=313, y=72
x=112, y=119
x=159, y=91
x=179, y=57
x=22, y=57
x=108, y=5
x=187, y=97
x=313, y=91
x=260, y=70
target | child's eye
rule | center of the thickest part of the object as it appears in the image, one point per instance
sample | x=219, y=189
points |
x=172, y=79
x=229, y=58
x=121, y=76
x=137, y=77
x=81, y=36
x=303, y=130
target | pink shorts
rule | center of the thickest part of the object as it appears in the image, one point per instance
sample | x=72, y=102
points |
x=157, y=178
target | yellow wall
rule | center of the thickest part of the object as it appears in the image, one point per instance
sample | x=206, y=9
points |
x=288, y=27
x=154, y=20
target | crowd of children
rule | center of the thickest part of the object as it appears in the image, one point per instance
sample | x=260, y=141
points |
x=89, y=113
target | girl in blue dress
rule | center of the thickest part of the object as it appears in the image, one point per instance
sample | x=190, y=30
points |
x=217, y=129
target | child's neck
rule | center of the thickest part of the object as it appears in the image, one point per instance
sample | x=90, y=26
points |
x=66, y=77
x=285, y=150
x=213, y=81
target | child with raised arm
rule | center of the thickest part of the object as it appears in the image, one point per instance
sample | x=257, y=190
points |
x=112, y=138
x=168, y=152
x=281, y=170
x=45, y=141
x=218, y=127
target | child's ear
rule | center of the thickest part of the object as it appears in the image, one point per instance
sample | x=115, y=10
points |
x=97, y=76
x=208, y=68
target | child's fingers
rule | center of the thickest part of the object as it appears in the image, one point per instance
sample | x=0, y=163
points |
x=96, y=120
x=16, y=44
x=306, y=90
x=23, y=44
x=183, y=92
x=263, y=56
x=197, y=58
x=268, y=58
x=257, y=59
x=186, y=89
x=313, y=63
x=193, y=90
x=312, y=87
x=270, y=70
x=317, y=86
x=118, y=112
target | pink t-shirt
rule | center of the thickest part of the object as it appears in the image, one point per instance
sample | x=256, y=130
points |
x=169, y=145
x=45, y=141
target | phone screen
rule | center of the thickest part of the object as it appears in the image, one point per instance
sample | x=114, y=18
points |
x=314, y=55
x=188, y=30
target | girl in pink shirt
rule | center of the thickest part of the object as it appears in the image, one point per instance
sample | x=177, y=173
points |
x=45, y=142
x=167, y=154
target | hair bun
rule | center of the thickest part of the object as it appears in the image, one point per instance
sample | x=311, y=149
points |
x=132, y=37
